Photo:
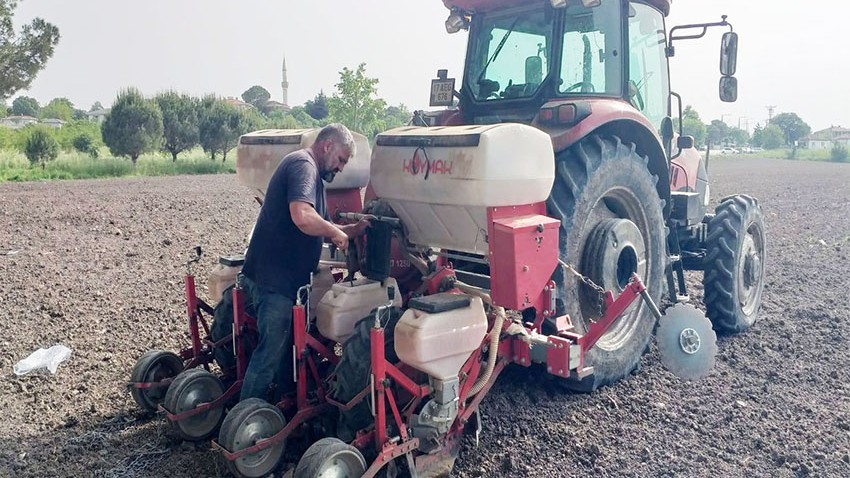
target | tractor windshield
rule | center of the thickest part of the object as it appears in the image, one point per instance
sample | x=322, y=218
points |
x=511, y=52
x=591, y=58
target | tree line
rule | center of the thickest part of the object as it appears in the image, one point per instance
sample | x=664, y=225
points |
x=784, y=129
x=174, y=122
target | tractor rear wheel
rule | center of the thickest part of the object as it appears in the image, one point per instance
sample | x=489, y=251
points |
x=734, y=264
x=612, y=225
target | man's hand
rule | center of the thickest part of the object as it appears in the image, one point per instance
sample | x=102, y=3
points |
x=359, y=229
x=340, y=239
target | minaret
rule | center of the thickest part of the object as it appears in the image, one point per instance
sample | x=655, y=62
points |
x=285, y=86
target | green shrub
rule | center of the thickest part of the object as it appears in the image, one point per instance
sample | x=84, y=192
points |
x=838, y=153
x=41, y=147
x=84, y=143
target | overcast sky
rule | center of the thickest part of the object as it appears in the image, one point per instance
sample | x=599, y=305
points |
x=792, y=54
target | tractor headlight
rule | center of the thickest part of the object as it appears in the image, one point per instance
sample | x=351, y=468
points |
x=457, y=21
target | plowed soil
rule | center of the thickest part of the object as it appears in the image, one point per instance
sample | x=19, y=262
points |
x=98, y=266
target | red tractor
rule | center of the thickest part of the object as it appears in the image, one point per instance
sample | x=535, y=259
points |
x=593, y=75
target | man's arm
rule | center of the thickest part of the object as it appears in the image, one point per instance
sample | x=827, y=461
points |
x=355, y=230
x=309, y=222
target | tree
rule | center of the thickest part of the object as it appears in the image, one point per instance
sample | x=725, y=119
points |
x=222, y=124
x=179, y=122
x=354, y=104
x=41, y=147
x=133, y=126
x=717, y=132
x=838, y=153
x=772, y=137
x=317, y=108
x=25, y=106
x=96, y=106
x=257, y=96
x=792, y=126
x=395, y=116
x=84, y=143
x=757, y=138
x=739, y=136
x=692, y=125
x=60, y=108
x=23, y=55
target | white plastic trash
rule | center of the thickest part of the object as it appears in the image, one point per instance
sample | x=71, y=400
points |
x=43, y=358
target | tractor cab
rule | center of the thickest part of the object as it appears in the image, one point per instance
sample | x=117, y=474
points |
x=523, y=55
x=555, y=63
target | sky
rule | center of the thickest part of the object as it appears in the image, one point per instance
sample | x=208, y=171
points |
x=792, y=55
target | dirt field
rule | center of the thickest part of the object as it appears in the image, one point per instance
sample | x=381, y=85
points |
x=97, y=266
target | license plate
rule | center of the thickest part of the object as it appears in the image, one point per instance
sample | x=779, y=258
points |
x=442, y=92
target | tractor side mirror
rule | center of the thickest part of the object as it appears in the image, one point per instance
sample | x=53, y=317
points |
x=533, y=70
x=729, y=54
x=685, y=142
x=728, y=89
x=667, y=129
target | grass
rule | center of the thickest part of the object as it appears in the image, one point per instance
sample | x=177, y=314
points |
x=801, y=155
x=14, y=166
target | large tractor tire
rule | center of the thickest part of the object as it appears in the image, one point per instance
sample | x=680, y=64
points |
x=734, y=264
x=612, y=225
x=355, y=367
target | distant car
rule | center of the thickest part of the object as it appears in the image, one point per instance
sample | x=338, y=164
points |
x=729, y=150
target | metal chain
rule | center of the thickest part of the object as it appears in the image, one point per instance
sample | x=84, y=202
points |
x=600, y=292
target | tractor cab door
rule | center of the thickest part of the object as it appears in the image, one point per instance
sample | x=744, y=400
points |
x=648, y=85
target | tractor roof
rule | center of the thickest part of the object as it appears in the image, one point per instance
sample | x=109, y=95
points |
x=490, y=5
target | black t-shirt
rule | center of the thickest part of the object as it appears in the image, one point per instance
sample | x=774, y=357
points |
x=280, y=257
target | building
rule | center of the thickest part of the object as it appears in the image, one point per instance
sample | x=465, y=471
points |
x=98, y=115
x=55, y=123
x=827, y=138
x=238, y=103
x=17, y=122
x=284, y=86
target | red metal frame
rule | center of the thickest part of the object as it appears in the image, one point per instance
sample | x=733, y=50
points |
x=308, y=351
x=199, y=352
x=242, y=324
x=512, y=349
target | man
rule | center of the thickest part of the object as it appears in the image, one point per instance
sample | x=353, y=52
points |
x=285, y=248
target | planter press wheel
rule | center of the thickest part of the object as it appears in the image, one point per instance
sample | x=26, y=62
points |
x=246, y=424
x=331, y=458
x=153, y=366
x=191, y=388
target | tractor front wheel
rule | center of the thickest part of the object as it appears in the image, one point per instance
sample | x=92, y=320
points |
x=612, y=225
x=734, y=264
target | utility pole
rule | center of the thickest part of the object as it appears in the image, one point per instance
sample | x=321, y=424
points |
x=770, y=110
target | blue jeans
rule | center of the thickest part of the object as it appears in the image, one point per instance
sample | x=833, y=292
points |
x=271, y=362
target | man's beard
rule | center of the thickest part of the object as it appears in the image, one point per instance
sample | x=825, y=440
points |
x=328, y=176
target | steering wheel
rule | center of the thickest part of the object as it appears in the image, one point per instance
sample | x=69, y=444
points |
x=635, y=97
x=585, y=86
